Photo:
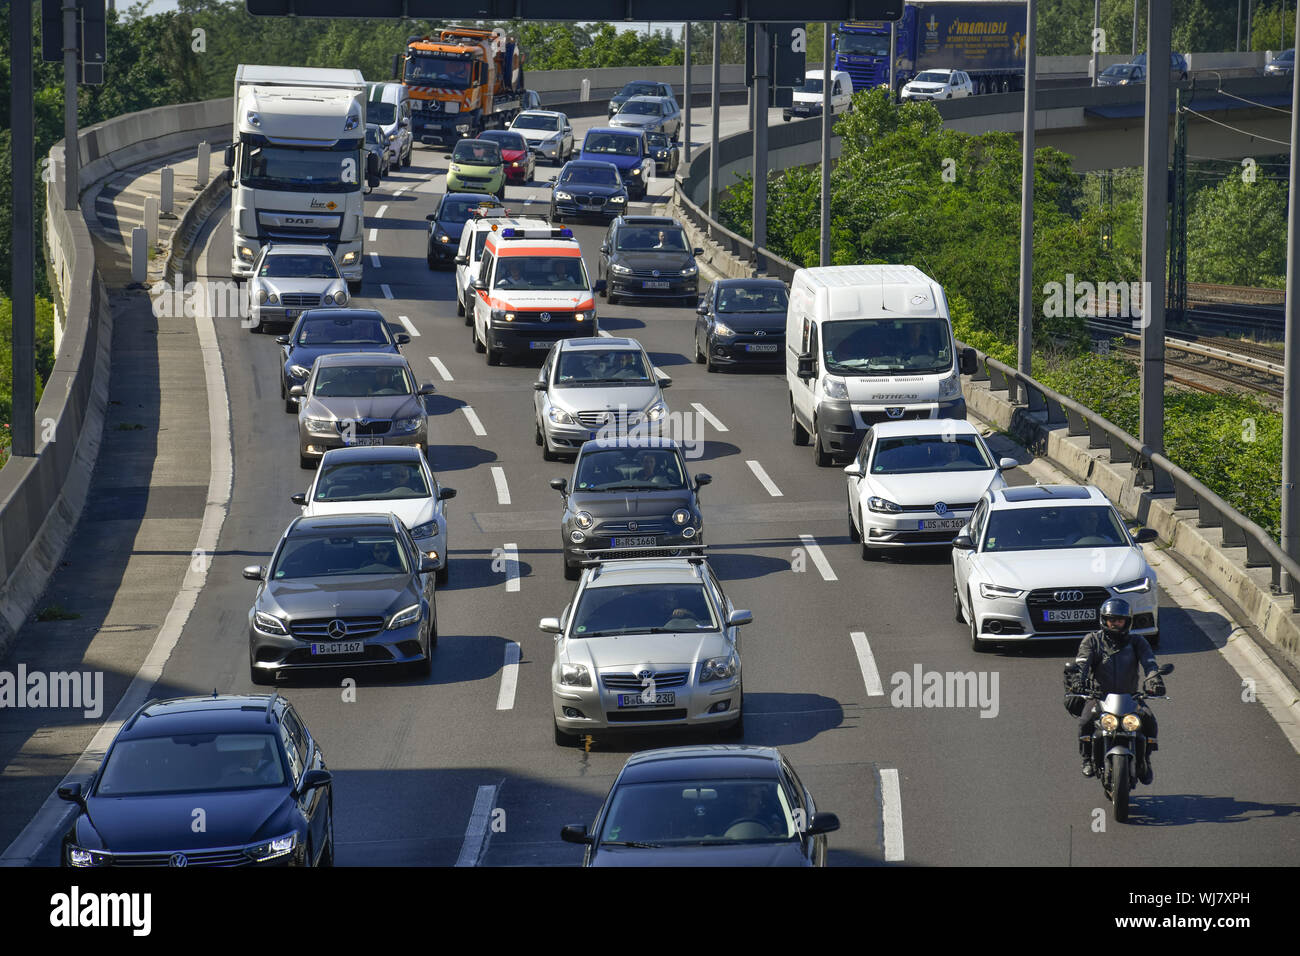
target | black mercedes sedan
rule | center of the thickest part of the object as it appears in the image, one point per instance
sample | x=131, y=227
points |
x=326, y=331
x=206, y=781
x=447, y=223
x=588, y=187
x=741, y=322
x=721, y=805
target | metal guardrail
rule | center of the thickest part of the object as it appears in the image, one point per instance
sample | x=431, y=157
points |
x=1154, y=470
x=762, y=261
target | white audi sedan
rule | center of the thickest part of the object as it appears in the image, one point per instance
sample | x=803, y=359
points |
x=1037, y=561
x=289, y=279
x=384, y=479
x=915, y=483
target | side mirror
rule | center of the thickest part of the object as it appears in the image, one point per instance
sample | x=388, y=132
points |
x=854, y=470
x=462, y=260
x=426, y=389
x=299, y=499
x=568, y=129
x=963, y=542
x=807, y=366
x=539, y=386
x=73, y=793
x=404, y=122
x=1145, y=535
x=698, y=250
x=477, y=285
x=702, y=480
x=561, y=485
x=282, y=340
x=604, y=247
x=446, y=494
x=230, y=177
x=229, y=157
x=428, y=565
x=576, y=834
x=600, y=286
x=402, y=338
x=1006, y=464
x=702, y=308
x=737, y=618
x=665, y=382
x=373, y=180
x=296, y=392
x=254, y=573
x=551, y=625
x=313, y=779
x=969, y=362
x=432, y=217
x=1165, y=669
x=822, y=823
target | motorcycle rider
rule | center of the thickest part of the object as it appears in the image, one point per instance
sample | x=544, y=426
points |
x=1110, y=657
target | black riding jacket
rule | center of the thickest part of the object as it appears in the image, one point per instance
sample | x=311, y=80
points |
x=1113, y=668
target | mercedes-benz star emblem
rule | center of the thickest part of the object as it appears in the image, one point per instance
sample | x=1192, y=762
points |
x=655, y=273
x=178, y=859
x=1067, y=597
x=336, y=629
x=940, y=508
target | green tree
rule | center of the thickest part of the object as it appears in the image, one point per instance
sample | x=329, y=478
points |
x=1236, y=233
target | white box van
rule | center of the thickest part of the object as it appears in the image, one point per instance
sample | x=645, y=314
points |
x=389, y=105
x=867, y=344
x=807, y=100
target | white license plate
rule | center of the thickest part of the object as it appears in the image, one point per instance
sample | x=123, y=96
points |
x=364, y=441
x=1070, y=614
x=654, y=285
x=642, y=542
x=540, y=345
x=291, y=313
x=643, y=700
x=941, y=524
x=338, y=647
x=761, y=348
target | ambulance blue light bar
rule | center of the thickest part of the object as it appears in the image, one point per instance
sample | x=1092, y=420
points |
x=513, y=233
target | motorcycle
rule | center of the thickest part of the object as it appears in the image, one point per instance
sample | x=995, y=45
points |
x=1118, y=747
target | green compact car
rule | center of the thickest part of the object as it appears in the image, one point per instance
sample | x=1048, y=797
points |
x=477, y=167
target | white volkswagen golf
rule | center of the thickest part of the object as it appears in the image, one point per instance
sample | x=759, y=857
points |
x=915, y=483
x=1037, y=561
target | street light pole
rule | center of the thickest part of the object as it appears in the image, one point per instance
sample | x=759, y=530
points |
x=1155, y=209
x=1025, y=338
x=825, y=257
x=713, y=120
x=1290, y=392
x=22, y=168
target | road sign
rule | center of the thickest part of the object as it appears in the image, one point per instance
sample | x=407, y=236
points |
x=92, y=37
x=787, y=56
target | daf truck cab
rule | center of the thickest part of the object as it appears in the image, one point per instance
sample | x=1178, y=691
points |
x=298, y=165
x=868, y=344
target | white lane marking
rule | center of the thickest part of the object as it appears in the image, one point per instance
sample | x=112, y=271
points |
x=400, y=191
x=512, y=566
x=476, y=833
x=764, y=480
x=509, y=678
x=374, y=234
x=891, y=811
x=708, y=417
x=442, y=369
x=380, y=213
x=52, y=817
x=388, y=293
x=603, y=334
x=867, y=664
x=819, y=559
x=474, y=423
x=503, y=490
x=406, y=323
x=374, y=259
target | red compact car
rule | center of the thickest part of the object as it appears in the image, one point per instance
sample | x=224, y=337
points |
x=520, y=162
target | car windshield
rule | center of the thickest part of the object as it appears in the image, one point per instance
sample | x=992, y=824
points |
x=918, y=454
x=616, y=143
x=699, y=812
x=506, y=139
x=191, y=763
x=653, y=239
x=657, y=139
x=886, y=346
x=344, y=331
x=456, y=210
x=477, y=152
x=640, y=89
x=629, y=469
x=1119, y=71
x=643, y=107
x=932, y=76
x=641, y=609
x=1033, y=529
x=587, y=368
x=381, y=113
x=371, y=481
x=857, y=43
x=811, y=84
x=361, y=381
x=438, y=71
x=285, y=266
x=1286, y=57
x=323, y=556
x=536, y=121
x=556, y=273
x=590, y=176
x=739, y=298
x=372, y=135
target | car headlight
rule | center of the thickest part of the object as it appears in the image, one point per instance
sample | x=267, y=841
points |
x=950, y=386
x=835, y=388
x=883, y=505
x=619, y=269
x=575, y=675
x=340, y=297
x=272, y=299
x=270, y=624
x=299, y=371
x=719, y=668
x=583, y=520
x=261, y=297
x=559, y=416
x=1109, y=722
x=273, y=849
x=426, y=530
x=453, y=168
x=681, y=516
x=582, y=316
x=80, y=856
x=992, y=592
x=1132, y=722
x=407, y=425
x=246, y=254
x=392, y=136
x=320, y=425
x=498, y=315
x=618, y=199
x=636, y=172
x=723, y=329
x=404, y=617
x=562, y=195
x=1140, y=586
x=350, y=257
x=691, y=270
x=656, y=411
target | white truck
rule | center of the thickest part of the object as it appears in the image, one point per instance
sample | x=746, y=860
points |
x=298, y=164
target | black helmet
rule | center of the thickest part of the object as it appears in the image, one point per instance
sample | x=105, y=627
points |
x=1116, y=619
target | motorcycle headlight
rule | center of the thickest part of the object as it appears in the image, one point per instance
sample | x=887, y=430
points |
x=80, y=856
x=404, y=426
x=1109, y=722
x=1140, y=586
x=575, y=675
x=299, y=371
x=270, y=624
x=583, y=520
x=426, y=530
x=559, y=416
x=340, y=298
x=718, y=668
x=681, y=516
x=561, y=194
x=835, y=388
x=722, y=328
x=1132, y=722
x=993, y=591
x=883, y=505
x=656, y=411
x=619, y=269
x=407, y=615
x=272, y=849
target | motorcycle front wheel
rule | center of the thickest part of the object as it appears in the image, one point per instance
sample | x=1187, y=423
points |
x=1119, y=786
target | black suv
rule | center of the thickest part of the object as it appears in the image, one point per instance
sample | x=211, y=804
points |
x=244, y=767
x=650, y=257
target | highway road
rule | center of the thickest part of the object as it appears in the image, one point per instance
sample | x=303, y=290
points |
x=422, y=766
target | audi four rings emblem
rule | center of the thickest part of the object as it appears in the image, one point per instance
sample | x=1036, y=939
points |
x=336, y=628
x=1067, y=597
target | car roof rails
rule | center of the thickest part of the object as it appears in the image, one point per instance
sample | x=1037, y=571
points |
x=140, y=710
x=270, y=704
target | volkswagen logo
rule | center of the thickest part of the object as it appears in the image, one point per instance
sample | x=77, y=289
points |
x=546, y=316
x=336, y=629
x=655, y=273
x=178, y=859
x=894, y=411
x=940, y=508
x=1067, y=597
x=632, y=526
x=644, y=675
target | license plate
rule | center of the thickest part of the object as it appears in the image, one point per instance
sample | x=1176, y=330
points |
x=364, y=441
x=643, y=542
x=338, y=647
x=291, y=313
x=761, y=348
x=654, y=285
x=1070, y=614
x=540, y=345
x=643, y=700
x=942, y=524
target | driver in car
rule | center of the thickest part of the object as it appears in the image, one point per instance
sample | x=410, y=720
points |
x=383, y=559
x=757, y=814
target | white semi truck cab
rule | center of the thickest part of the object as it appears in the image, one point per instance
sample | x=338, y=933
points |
x=298, y=165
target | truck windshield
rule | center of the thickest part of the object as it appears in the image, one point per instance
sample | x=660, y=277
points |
x=887, y=346
x=862, y=45
x=300, y=170
x=438, y=71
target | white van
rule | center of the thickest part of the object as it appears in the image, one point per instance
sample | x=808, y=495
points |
x=867, y=344
x=807, y=100
x=389, y=106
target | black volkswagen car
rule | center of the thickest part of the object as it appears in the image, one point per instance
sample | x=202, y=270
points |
x=448, y=222
x=325, y=331
x=649, y=256
x=741, y=322
x=588, y=187
x=630, y=493
x=722, y=805
x=206, y=781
